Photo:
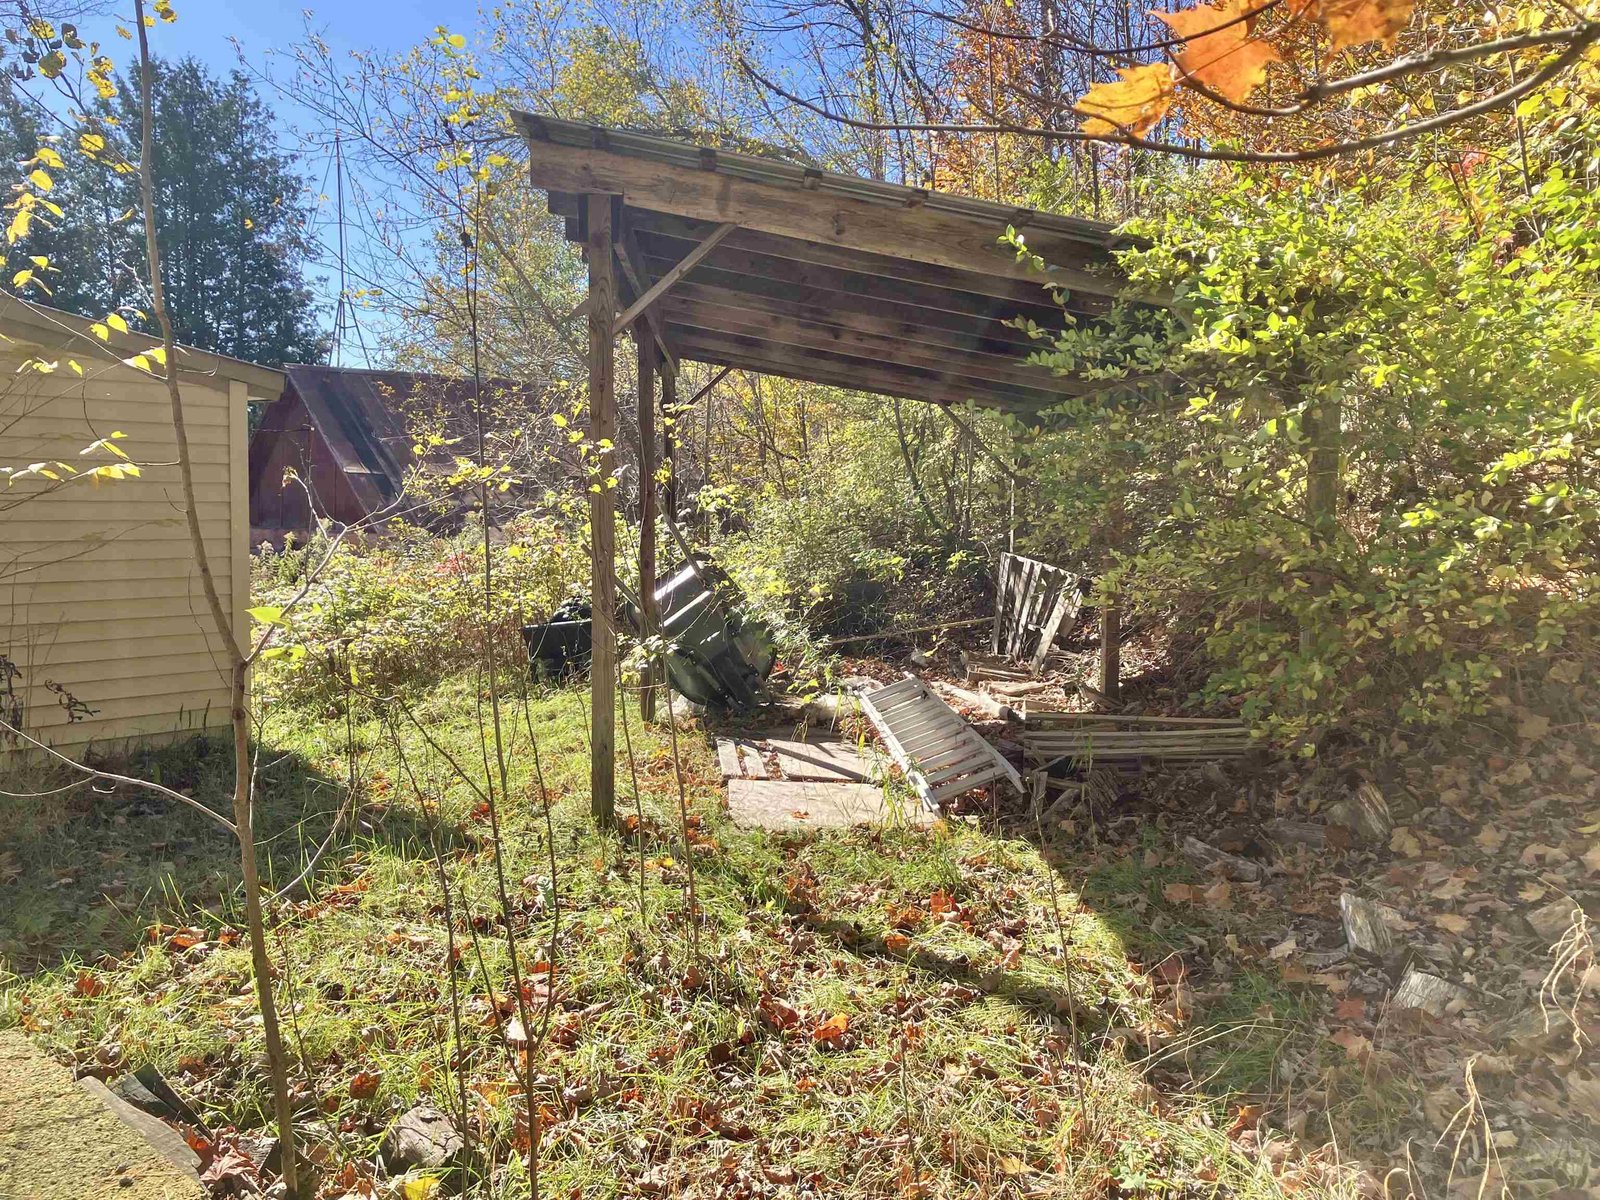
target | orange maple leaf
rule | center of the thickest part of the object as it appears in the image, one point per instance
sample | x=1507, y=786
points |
x=1355, y=22
x=1133, y=105
x=1220, y=53
x=832, y=1029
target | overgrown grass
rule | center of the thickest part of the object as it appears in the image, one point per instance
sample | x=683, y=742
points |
x=880, y=1012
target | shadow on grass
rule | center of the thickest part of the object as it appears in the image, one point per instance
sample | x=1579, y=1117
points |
x=87, y=872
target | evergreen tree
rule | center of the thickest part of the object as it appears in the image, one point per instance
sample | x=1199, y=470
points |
x=231, y=216
x=231, y=213
x=91, y=246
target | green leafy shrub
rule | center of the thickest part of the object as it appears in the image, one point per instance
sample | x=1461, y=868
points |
x=1442, y=368
x=408, y=607
x=849, y=545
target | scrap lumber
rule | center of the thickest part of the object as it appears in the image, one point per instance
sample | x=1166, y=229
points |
x=940, y=753
x=1435, y=996
x=1033, y=601
x=1051, y=737
x=1219, y=862
x=980, y=667
x=1366, y=925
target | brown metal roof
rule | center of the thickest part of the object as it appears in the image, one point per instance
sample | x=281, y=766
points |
x=827, y=277
x=362, y=416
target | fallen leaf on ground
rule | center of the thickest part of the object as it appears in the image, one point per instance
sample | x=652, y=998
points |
x=1402, y=841
x=364, y=1085
x=832, y=1029
x=1356, y=1045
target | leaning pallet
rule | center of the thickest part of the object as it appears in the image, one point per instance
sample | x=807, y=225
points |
x=1051, y=738
x=940, y=753
x=1033, y=601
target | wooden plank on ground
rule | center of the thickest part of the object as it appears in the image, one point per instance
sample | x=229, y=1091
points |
x=825, y=759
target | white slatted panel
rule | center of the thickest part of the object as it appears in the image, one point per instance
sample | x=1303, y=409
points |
x=940, y=753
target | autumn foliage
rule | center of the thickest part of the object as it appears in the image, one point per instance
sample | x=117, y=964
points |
x=1225, y=58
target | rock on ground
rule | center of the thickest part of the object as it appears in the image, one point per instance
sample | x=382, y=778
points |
x=423, y=1137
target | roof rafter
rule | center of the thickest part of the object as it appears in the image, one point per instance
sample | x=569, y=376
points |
x=764, y=265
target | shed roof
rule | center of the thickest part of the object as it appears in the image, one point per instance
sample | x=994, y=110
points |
x=44, y=326
x=826, y=277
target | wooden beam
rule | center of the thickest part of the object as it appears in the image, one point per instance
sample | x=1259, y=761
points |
x=649, y=620
x=924, y=234
x=953, y=343
x=671, y=276
x=833, y=282
x=812, y=367
x=602, y=528
x=829, y=307
x=875, y=374
x=705, y=388
x=843, y=339
x=856, y=263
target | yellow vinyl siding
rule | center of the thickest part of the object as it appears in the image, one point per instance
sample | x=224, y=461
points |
x=99, y=593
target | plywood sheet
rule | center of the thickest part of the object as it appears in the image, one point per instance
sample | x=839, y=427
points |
x=822, y=758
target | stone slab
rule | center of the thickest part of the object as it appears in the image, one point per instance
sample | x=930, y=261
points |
x=59, y=1142
x=801, y=804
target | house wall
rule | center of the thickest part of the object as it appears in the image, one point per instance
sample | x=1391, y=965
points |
x=99, y=595
x=288, y=439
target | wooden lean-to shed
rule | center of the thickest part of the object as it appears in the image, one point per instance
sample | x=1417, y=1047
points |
x=758, y=264
x=105, y=634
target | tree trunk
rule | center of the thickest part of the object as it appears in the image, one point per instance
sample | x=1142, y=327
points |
x=234, y=645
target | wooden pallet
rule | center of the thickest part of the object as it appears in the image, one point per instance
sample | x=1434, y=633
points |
x=1050, y=738
x=940, y=753
x=1033, y=601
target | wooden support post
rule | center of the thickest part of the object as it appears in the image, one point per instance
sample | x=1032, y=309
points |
x=649, y=618
x=669, y=438
x=1111, y=650
x=602, y=518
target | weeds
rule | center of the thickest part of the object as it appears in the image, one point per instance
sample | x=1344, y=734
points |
x=868, y=1012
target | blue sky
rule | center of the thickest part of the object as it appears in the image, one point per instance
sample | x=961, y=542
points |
x=204, y=27
x=263, y=33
